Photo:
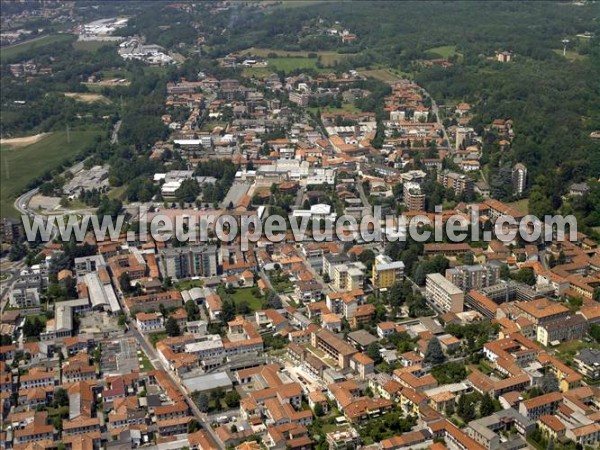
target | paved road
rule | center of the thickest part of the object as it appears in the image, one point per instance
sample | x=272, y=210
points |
x=436, y=110
x=363, y=196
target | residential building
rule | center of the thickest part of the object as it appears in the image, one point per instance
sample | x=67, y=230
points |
x=348, y=277
x=386, y=272
x=413, y=197
x=339, y=350
x=588, y=363
x=519, y=178
x=458, y=182
x=561, y=330
x=536, y=407
x=191, y=261
x=444, y=295
x=149, y=322
x=474, y=277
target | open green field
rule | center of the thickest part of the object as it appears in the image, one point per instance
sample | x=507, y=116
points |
x=297, y=3
x=521, y=205
x=570, y=55
x=445, y=51
x=189, y=284
x=289, y=64
x=21, y=165
x=117, y=192
x=385, y=75
x=328, y=58
x=145, y=364
x=92, y=46
x=257, y=72
x=245, y=294
x=16, y=50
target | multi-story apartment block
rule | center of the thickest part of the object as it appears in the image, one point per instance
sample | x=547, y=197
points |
x=463, y=137
x=414, y=198
x=336, y=348
x=561, y=330
x=386, y=272
x=519, y=178
x=26, y=290
x=192, y=261
x=588, y=363
x=330, y=261
x=445, y=295
x=474, y=277
x=542, y=310
x=539, y=406
x=348, y=277
x=458, y=182
x=299, y=98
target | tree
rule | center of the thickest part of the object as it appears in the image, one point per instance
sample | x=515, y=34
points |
x=61, y=398
x=465, y=409
x=318, y=410
x=202, y=402
x=125, y=282
x=549, y=382
x=525, y=275
x=487, y=405
x=232, y=399
x=194, y=426
x=373, y=352
x=434, y=354
x=192, y=310
x=188, y=191
x=171, y=327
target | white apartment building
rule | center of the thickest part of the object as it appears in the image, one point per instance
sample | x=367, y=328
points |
x=445, y=295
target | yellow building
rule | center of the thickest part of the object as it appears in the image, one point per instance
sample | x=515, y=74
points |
x=386, y=272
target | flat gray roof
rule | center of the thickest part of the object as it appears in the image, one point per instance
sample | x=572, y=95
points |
x=208, y=382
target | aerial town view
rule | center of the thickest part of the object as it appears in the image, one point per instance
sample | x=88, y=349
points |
x=300, y=225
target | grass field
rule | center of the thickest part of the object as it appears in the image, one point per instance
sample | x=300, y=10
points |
x=382, y=74
x=570, y=55
x=92, y=46
x=257, y=72
x=289, y=64
x=328, y=58
x=443, y=52
x=189, y=284
x=245, y=294
x=522, y=206
x=16, y=50
x=117, y=192
x=21, y=165
x=157, y=337
x=145, y=364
